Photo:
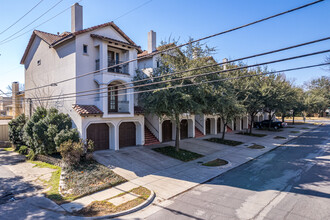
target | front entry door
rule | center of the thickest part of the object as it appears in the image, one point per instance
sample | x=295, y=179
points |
x=167, y=130
x=208, y=126
x=184, y=129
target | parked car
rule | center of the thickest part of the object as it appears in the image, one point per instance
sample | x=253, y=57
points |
x=276, y=124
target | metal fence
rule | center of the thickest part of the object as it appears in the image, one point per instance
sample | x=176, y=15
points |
x=4, y=132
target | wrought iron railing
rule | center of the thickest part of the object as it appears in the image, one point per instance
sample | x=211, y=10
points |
x=118, y=69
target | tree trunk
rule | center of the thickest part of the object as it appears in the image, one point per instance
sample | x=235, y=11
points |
x=282, y=117
x=224, y=131
x=293, y=117
x=252, y=121
x=270, y=120
x=177, y=136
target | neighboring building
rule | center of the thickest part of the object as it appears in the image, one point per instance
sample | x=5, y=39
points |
x=12, y=106
x=5, y=105
x=110, y=119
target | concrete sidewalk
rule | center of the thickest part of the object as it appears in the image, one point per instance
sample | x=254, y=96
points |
x=180, y=177
x=104, y=195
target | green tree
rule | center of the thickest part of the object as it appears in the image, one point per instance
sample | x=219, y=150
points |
x=248, y=90
x=298, y=102
x=318, y=95
x=275, y=90
x=173, y=102
x=16, y=130
x=222, y=101
x=40, y=131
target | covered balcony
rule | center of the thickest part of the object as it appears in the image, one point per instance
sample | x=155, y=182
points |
x=114, y=52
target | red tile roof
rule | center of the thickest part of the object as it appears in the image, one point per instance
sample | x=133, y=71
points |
x=53, y=39
x=160, y=48
x=85, y=110
x=48, y=37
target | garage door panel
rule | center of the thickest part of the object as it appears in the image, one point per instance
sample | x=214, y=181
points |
x=127, y=134
x=99, y=134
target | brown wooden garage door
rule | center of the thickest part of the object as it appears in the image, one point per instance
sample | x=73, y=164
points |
x=99, y=133
x=184, y=129
x=127, y=134
x=208, y=126
x=167, y=130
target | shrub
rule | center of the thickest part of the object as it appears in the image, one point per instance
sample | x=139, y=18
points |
x=31, y=155
x=16, y=130
x=23, y=150
x=41, y=130
x=65, y=135
x=71, y=152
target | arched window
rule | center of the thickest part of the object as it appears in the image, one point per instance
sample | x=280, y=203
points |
x=117, y=98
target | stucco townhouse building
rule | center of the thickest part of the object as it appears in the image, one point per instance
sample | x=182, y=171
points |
x=98, y=99
x=108, y=114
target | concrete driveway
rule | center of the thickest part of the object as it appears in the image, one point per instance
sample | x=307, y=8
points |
x=134, y=162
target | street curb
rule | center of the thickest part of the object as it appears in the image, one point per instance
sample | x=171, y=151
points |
x=129, y=211
x=243, y=163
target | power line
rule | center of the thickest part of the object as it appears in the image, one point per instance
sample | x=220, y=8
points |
x=204, y=74
x=199, y=83
x=37, y=25
x=202, y=67
x=179, y=46
x=32, y=21
x=130, y=11
x=21, y=17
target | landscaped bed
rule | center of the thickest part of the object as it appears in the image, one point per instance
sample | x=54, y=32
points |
x=256, y=146
x=252, y=134
x=294, y=132
x=101, y=208
x=183, y=155
x=279, y=137
x=226, y=142
x=86, y=178
x=215, y=163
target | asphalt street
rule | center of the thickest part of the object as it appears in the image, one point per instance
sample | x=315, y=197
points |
x=290, y=182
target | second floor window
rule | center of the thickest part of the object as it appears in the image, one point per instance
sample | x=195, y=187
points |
x=85, y=49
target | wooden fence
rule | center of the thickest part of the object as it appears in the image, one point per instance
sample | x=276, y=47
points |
x=4, y=132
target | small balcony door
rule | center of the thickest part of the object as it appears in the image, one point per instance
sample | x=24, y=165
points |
x=113, y=98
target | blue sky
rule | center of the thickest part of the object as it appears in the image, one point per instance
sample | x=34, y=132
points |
x=181, y=19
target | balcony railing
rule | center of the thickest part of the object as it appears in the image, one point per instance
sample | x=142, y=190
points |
x=118, y=69
x=123, y=107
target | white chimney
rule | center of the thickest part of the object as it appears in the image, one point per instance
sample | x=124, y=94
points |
x=225, y=65
x=151, y=41
x=76, y=18
x=15, y=99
